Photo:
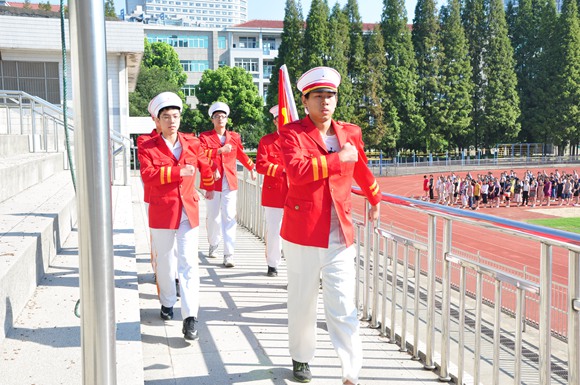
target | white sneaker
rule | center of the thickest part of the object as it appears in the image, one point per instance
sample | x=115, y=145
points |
x=212, y=250
x=228, y=260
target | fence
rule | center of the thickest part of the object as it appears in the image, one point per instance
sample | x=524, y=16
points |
x=43, y=122
x=468, y=319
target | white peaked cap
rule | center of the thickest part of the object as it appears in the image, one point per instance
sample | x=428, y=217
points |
x=219, y=106
x=164, y=99
x=274, y=111
x=150, y=110
x=319, y=79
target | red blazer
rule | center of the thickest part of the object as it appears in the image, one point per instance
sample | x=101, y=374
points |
x=140, y=140
x=170, y=193
x=269, y=163
x=225, y=163
x=318, y=180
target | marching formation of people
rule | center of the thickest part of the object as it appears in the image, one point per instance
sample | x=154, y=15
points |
x=508, y=189
x=309, y=166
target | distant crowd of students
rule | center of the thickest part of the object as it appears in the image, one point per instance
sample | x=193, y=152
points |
x=506, y=189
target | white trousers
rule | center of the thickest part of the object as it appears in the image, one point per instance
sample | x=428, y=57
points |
x=221, y=219
x=273, y=239
x=305, y=266
x=185, y=242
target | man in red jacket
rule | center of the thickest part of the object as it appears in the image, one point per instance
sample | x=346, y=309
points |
x=322, y=158
x=274, y=189
x=223, y=148
x=168, y=164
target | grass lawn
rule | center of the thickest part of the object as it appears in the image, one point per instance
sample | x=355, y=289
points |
x=567, y=224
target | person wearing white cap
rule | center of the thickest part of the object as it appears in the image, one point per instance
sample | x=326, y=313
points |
x=274, y=189
x=322, y=158
x=223, y=148
x=146, y=189
x=168, y=164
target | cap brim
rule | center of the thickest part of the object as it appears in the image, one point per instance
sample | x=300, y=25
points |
x=322, y=89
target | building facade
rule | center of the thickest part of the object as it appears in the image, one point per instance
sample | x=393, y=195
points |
x=252, y=46
x=189, y=13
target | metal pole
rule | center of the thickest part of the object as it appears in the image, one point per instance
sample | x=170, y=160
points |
x=446, y=303
x=92, y=151
x=431, y=263
x=573, y=318
x=545, y=311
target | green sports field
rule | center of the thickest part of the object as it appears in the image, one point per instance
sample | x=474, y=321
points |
x=566, y=224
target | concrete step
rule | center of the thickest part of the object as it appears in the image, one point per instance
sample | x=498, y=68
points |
x=33, y=226
x=11, y=145
x=20, y=172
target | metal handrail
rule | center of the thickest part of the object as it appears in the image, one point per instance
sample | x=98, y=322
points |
x=33, y=111
x=420, y=293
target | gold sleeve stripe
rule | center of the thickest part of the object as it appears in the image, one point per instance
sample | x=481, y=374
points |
x=169, y=174
x=324, y=167
x=275, y=168
x=250, y=163
x=208, y=179
x=162, y=175
x=375, y=188
x=315, y=168
x=269, y=173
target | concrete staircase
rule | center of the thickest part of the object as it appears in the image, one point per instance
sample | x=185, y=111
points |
x=37, y=213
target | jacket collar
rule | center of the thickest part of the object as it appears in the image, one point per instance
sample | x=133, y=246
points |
x=313, y=132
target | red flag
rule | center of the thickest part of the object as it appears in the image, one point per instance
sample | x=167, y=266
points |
x=287, y=111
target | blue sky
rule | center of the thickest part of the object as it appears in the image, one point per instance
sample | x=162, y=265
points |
x=370, y=10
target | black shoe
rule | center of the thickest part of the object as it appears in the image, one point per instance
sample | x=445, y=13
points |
x=189, y=331
x=301, y=371
x=177, y=287
x=272, y=272
x=166, y=313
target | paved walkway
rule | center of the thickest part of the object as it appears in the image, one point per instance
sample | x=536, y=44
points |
x=243, y=334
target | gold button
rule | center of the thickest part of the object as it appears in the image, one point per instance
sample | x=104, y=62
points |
x=296, y=207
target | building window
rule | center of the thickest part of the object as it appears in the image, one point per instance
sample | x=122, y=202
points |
x=268, y=68
x=194, y=65
x=250, y=65
x=181, y=41
x=36, y=78
x=188, y=90
x=269, y=43
x=248, y=42
x=222, y=42
x=221, y=63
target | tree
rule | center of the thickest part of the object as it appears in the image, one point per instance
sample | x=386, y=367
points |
x=160, y=71
x=381, y=125
x=501, y=101
x=151, y=82
x=473, y=18
x=234, y=86
x=568, y=122
x=425, y=42
x=26, y=4
x=45, y=6
x=337, y=59
x=547, y=88
x=290, y=51
x=110, y=8
x=401, y=75
x=316, y=36
x=456, y=85
x=356, y=61
x=162, y=55
x=524, y=28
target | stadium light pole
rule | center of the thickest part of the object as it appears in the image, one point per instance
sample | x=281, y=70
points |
x=92, y=155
